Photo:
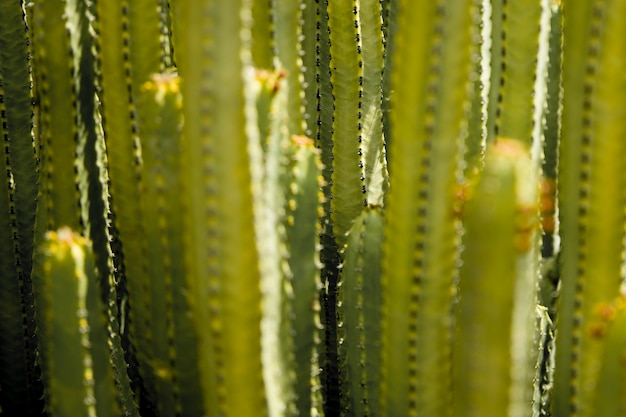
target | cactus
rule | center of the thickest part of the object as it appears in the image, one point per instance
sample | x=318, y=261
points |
x=359, y=311
x=591, y=153
x=314, y=207
x=70, y=318
x=493, y=345
x=431, y=79
x=19, y=392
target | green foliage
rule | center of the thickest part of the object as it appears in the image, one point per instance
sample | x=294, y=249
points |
x=312, y=207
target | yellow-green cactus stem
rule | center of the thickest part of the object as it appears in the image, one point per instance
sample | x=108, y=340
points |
x=431, y=69
x=591, y=192
x=174, y=354
x=348, y=191
x=372, y=48
x=474, y=146
x=270, y=222
x=494, y=353
x=359, y=316
x=59, y=203
x=389, y=15
x=221, y=257
x=18, y=193
x=72, y=190
x=304, y=202
x=128, y=53
x=71, y=329
x=518, y=30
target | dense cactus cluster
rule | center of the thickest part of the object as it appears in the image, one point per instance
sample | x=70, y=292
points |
x=313, y=208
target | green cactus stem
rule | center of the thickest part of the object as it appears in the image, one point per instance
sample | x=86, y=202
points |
x=59, y=203
x=128, y=53
x=18, y=376
x=175, y=355
x=517, y=28
x=220, y=248
x=304, y=202
x=372, y=48
x=475, y=143
x=432, y=64
x=591, y=193
x=389, y=13
x=494, y=353
x=359, y=316
x=270, y=223
x=348, y=191
x=72, y=335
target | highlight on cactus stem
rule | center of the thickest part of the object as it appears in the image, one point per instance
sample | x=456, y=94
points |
x=312, y=208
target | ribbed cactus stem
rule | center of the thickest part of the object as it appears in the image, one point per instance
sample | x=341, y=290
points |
x=59, y=201
x=374, y=155
x=431, y=64
x=128, y=53
x=591, y=192
x=359, y=316
x=494, y=355
x=270, y=223
x=221, y=255
x=176, y=377
x=72, y=338
x=517, y=34
x=18, y=191
x=304, y=201
x=348, y=191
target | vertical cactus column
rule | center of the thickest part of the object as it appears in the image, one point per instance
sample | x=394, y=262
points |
x=359, y=316
x=73, y=349
x=517, y=68
x=346, y=77
x=59, y=203
x=17, y=213
x=221, y=256
x=175, y=346
x=431, y=64
x=128, y=52
x=591, y=193
x=494, y=354
x=302, y=239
